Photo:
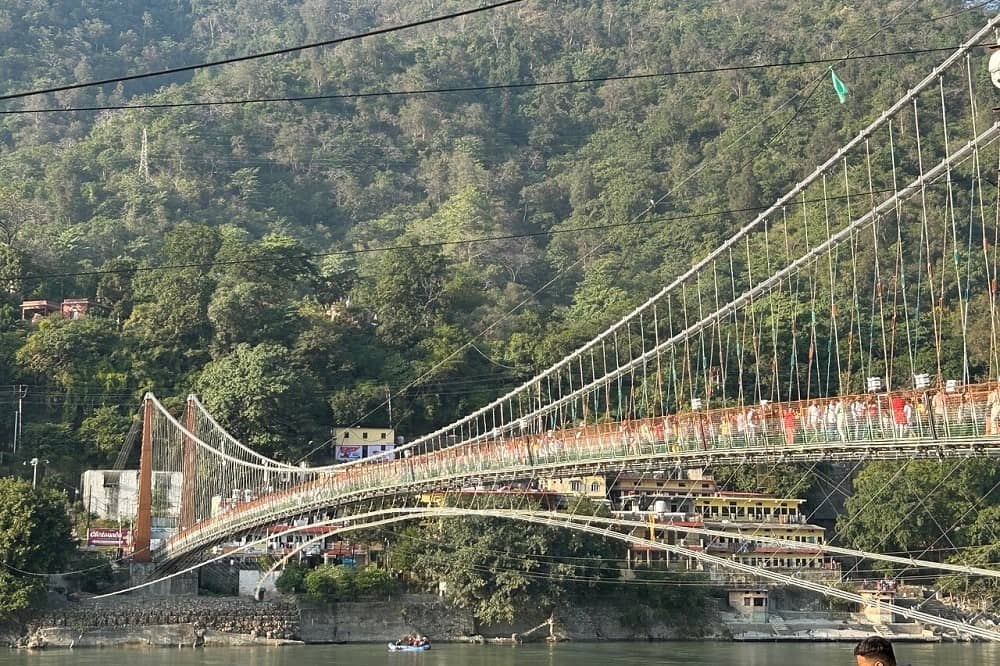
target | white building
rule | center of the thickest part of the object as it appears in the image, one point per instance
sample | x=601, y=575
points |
x=113, y=494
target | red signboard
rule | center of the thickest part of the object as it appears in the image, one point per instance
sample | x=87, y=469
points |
x=109, y=536
x=345, y=453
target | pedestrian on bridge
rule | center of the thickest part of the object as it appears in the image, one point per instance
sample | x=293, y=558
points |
x=814, y=418
x=898, y=406
x=993, y=408
x=789, y=421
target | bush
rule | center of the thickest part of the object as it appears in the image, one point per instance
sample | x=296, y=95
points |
x=374, y=582
x=292, y=578
x=331, y=582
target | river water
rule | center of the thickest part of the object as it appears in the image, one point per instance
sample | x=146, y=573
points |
x=566, y=654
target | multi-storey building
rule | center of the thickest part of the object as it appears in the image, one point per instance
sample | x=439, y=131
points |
x=593, y=487
x=667, y=503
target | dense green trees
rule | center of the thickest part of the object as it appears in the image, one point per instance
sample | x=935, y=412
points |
x=242, y=249
x=273, y=406
x=35, y=538
x=494, y=566
x=938, y=508
x=942, y=511
x=74, y=353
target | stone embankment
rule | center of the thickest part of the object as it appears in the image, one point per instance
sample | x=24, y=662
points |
x=222, y=621
x=197, y=621
x=188, y=621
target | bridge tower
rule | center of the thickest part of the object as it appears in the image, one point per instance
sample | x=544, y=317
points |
x=144, y=514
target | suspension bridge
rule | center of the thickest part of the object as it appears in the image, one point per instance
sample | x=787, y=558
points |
x=854, y=319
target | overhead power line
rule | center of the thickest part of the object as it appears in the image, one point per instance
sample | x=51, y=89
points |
x=263, y=54
x=475, y=88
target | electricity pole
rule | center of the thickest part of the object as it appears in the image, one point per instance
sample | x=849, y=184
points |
x=22, y=392
x=144, y=157
x=388, y=397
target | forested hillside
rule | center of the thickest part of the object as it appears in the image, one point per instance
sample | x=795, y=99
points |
x=242, y=252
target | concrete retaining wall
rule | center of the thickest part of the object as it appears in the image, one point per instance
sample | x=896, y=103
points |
x=382, y=621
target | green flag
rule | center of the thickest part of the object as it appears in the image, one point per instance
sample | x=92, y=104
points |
x=839, y=86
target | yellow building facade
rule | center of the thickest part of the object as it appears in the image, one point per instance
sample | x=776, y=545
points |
x=357, y=443
x=363, y=436
x=748, y=507
x=594, y=487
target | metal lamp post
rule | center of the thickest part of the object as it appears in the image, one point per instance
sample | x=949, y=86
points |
x=34, y=470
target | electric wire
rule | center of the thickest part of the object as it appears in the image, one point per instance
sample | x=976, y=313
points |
x=264, y=54
x=525, y=85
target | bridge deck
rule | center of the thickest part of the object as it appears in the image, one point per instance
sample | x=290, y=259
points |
x=598, y=449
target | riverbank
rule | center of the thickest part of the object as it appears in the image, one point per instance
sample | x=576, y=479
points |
x=231, y=621
x=706, y=653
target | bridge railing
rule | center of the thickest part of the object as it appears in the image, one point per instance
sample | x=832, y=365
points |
x=971, y=413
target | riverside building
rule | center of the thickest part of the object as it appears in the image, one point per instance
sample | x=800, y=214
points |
x=666, y=503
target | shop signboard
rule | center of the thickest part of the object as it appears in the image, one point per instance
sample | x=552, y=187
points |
x=345, y=453
x=108, y=536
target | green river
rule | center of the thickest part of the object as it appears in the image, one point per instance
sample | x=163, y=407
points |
x=566, y=654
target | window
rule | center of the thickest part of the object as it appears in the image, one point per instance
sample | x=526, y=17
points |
x=576, y=486
x=383, y=436
x=347, y=435
x=364, y=435
x=746, y=601
x=595, y=487
x=760, y=602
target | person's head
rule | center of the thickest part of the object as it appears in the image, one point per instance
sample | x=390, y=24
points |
x=874, y=651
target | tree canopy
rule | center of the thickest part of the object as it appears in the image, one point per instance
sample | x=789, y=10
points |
x=298, y=263
x=35, y=539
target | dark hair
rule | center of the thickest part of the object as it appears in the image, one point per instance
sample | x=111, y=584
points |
x=876, y=647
